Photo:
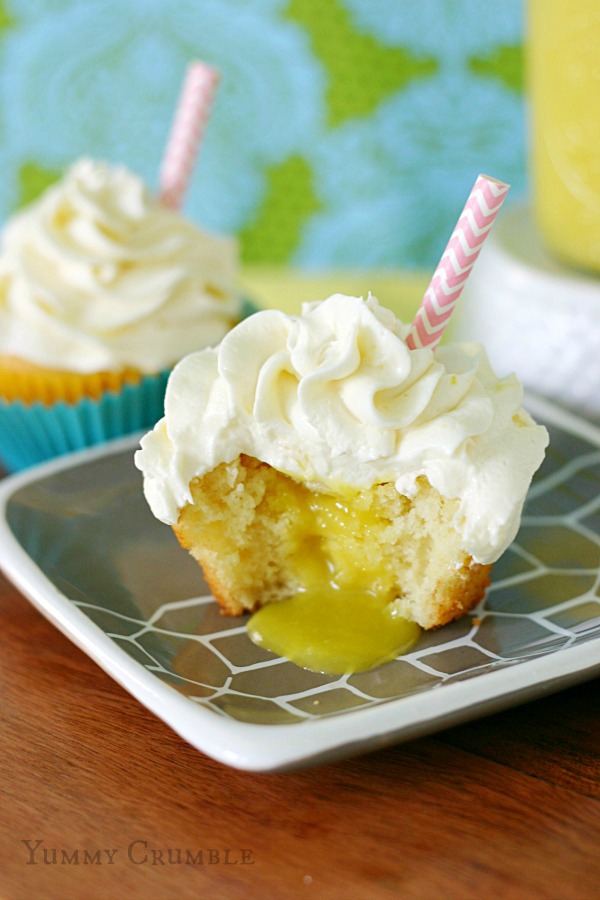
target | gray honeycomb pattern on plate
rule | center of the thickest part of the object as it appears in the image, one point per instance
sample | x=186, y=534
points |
x=90, y=530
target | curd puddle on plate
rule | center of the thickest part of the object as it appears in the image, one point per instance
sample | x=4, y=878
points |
x=333, y=630
x=336, y=623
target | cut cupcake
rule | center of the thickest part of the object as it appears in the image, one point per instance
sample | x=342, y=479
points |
x=316, y=456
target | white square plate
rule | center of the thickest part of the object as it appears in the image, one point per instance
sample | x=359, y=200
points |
x=77, y=538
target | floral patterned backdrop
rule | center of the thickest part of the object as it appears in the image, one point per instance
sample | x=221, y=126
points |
x=345, y=132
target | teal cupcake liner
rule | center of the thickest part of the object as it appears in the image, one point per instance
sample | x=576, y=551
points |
x=31, y=434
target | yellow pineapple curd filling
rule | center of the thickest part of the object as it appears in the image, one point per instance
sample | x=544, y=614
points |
x=341, y=618
x=337, y=581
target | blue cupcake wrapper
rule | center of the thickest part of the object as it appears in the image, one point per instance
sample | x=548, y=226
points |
x=30, y=434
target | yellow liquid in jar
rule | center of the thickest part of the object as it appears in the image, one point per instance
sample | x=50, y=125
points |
x=342, y=619
x=564, y=87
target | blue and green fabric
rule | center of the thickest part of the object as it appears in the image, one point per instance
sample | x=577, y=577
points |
x=345, y=132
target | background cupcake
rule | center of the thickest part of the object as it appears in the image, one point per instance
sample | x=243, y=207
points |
x=102, y=290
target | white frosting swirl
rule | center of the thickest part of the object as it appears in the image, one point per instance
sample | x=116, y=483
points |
x=98, y=275
x=335, y=397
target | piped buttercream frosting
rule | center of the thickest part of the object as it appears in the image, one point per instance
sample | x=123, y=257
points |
x=334, y=397
x=98, y=275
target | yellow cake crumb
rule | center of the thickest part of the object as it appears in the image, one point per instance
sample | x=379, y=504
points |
x=248, y=527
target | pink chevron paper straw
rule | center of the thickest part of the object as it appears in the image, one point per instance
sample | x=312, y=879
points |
x=457, y=260
x=186, y=132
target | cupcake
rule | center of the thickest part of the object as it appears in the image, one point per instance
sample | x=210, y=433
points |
x=102, y=290
x=317, y=459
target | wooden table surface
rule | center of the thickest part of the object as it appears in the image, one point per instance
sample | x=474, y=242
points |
x=101, y=799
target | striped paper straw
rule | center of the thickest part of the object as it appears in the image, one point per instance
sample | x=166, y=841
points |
x=457, y=260
x=186, y=132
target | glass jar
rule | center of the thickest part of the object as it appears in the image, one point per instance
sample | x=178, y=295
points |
x=564, y=92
